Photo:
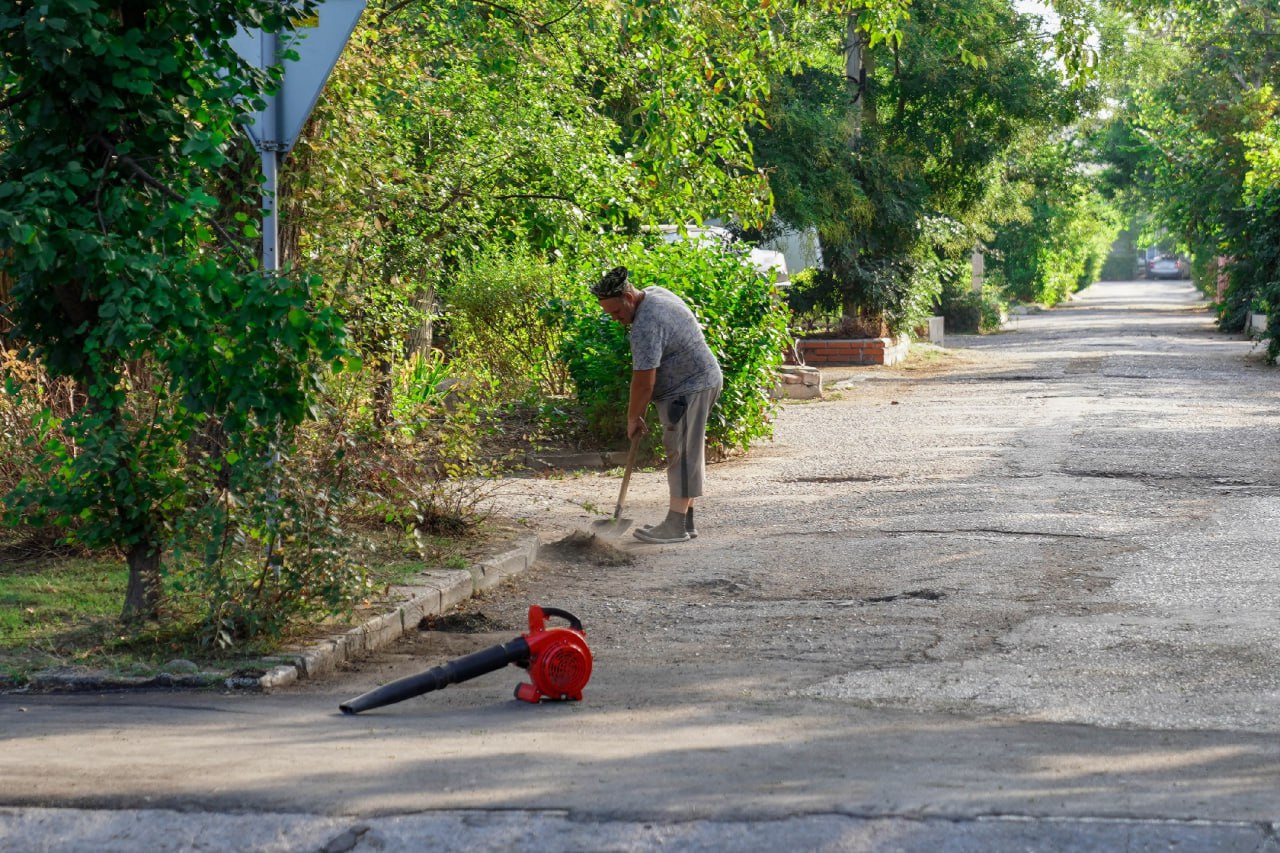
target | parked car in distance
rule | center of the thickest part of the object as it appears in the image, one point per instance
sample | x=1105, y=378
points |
x=1167, y=266
x=771, y=264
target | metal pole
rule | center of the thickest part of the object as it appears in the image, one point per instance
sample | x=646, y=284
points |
x=269, y=146
x=270, y=222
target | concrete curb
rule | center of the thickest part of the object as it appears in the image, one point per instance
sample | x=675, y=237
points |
x=438, y=591
x=435, y=592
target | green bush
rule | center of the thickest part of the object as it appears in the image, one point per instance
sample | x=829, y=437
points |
x=290, y=561
x=970, y=313
x=741, y=313
x=495, y=316
x=962, y=313
x=1253, y=273
x=1119, y=266
x=814, y=302
x=284, y=544
x=1062, y=242
x=597, y=355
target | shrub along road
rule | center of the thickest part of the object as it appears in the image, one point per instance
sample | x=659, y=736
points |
x=1022, y=596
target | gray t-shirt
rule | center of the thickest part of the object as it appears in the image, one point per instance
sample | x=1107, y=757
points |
x=665, y=334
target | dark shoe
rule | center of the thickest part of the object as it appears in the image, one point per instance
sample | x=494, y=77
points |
x=688, y=526
x=666, y=533
x=654, y=537
x=693, y=534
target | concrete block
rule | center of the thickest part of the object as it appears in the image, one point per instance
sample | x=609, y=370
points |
x=433, y=592
x=318, y=661
x=797, y=382
x=349, y=645
x=937, y=332
x=574, y=461
x=413, y=610
x=279, y=676
x=382, y=631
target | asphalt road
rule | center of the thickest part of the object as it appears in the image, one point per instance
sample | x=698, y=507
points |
x=1016, y=595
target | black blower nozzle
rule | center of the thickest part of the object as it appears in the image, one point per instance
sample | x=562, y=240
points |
x=557, y=658
x=463, y=669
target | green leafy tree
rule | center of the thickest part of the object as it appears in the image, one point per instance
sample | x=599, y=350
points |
x=903, y=174
x=1062, y=239
x=441, y=133
x=1190, y=143
x=451, y=126
x=118, y=119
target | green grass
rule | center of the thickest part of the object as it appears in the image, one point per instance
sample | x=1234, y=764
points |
x=918, y=356
x=65, y=611
x=40, y=601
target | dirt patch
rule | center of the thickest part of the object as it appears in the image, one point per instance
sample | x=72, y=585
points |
x=717, y=586
x=584, y=546
x=460, y=623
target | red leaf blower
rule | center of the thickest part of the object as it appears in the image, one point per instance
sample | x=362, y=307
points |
x=557, y=658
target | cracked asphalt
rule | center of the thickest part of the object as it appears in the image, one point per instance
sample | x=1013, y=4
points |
x=1017, y=594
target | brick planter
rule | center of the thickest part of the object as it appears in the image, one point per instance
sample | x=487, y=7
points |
x=817, y=352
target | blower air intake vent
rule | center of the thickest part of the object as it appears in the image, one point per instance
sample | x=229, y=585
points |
x=559, y=667
x=567, y=670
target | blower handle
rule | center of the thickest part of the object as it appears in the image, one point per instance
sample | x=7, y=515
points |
x=537, y=619
x=462, y=669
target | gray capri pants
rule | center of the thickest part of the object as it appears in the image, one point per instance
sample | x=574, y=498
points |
x=684, y=437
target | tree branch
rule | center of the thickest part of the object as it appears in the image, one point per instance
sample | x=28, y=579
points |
x=14, y=100
x=576, y=7
x=548, y=196
x=533, y=25
x=147, y=178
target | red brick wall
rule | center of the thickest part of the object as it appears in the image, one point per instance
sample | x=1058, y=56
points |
x=818, y=352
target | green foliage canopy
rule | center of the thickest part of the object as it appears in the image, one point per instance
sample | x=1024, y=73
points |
x=117, y=119
x=1192, y=144
x=903, y=175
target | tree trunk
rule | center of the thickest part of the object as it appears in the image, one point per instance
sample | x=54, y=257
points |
x=857, y=319
x=421, y=338
x=855, y=77
x=383, y=393
x=288, y=233
x=6, y=285
x=142, y=597
x=384, y=390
